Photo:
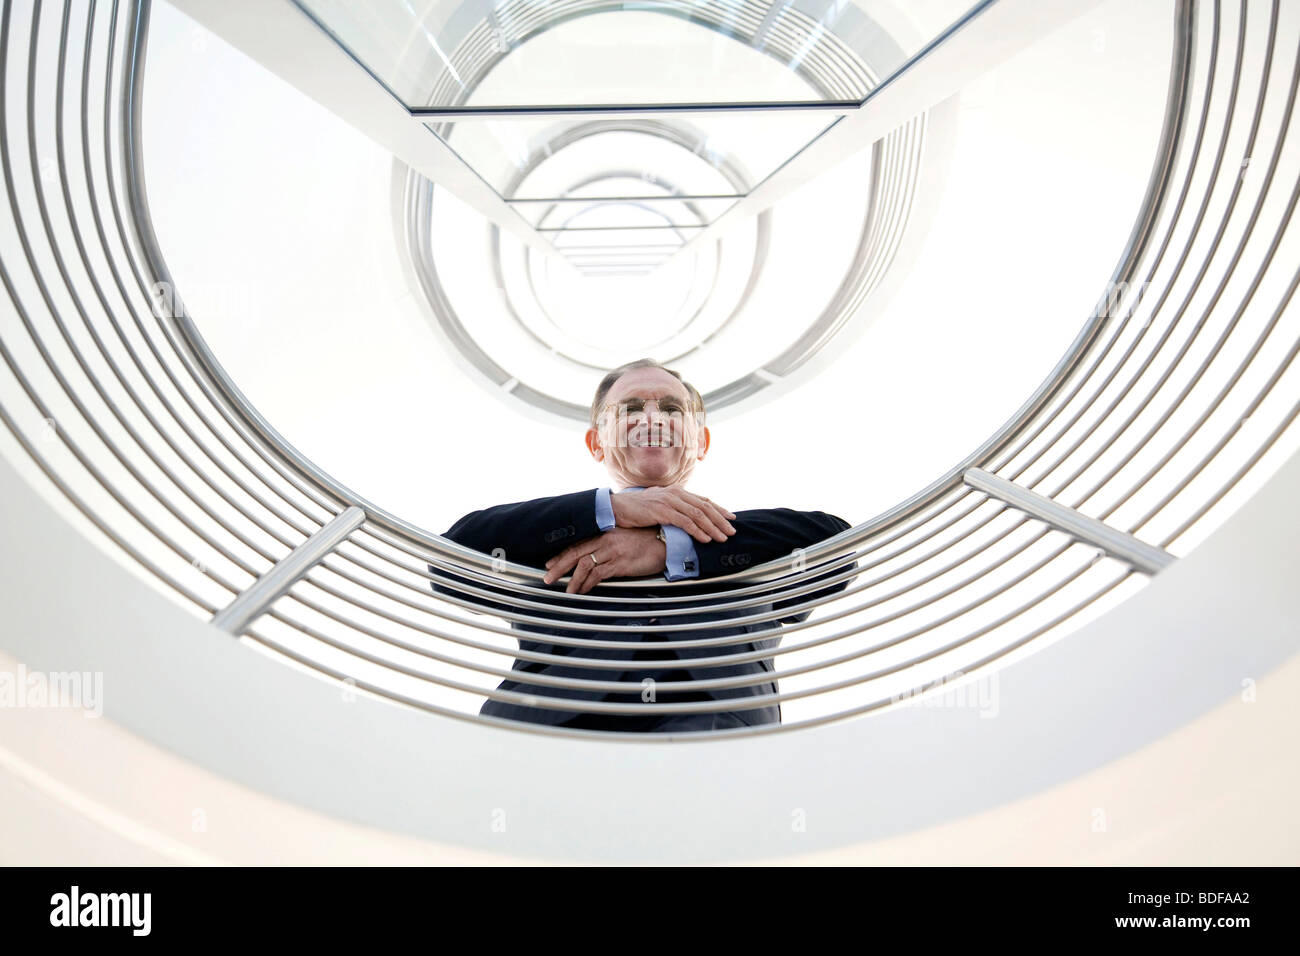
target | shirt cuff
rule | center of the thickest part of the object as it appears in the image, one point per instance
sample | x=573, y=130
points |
x=604, y=509
x=682, y=561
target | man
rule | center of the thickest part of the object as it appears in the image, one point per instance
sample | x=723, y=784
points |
x=647, y=429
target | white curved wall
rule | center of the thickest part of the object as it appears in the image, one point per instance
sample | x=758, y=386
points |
x=1136, y=723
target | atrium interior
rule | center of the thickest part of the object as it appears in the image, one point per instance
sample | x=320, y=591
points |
x=291, y=286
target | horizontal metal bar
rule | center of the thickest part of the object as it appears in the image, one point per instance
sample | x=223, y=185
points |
x=612, y=228
x=237, y=615
x=617, y=256
x=619, y=262
x=618, y=259
x=620, y=110
x=659, y=198
x=623, y=247
x=1116, y=543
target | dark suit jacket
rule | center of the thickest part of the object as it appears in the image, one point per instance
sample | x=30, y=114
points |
x=531, y=532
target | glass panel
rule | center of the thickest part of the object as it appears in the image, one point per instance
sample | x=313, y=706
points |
x=620, y=250
x=715, y=154
x=622, y=235
x=656, y=210
x=494, y=53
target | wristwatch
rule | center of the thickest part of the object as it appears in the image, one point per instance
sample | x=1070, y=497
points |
x=662, y=537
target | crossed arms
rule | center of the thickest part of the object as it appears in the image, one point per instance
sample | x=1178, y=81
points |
x=564, y=528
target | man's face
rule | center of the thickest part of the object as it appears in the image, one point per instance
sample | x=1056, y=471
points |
x=648, y=434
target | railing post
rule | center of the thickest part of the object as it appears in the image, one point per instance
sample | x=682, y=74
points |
x=240, y=612
x=1117, y=544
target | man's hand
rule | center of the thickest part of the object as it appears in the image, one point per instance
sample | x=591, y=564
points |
x=620, y=553
x=697, y=516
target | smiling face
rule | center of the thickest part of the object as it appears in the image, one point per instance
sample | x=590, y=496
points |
x=648, y=432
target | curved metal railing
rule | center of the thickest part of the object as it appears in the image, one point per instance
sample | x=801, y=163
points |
x=1167, y=409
